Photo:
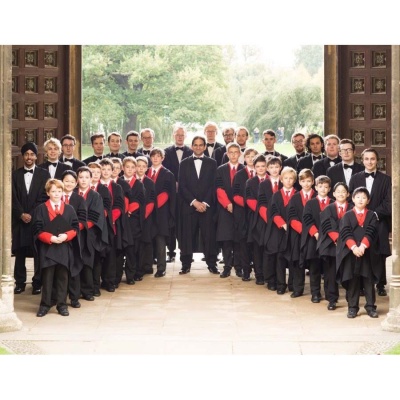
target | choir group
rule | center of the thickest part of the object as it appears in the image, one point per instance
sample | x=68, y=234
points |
x=88, y=223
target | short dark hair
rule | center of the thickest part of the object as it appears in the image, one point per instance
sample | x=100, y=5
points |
x=274, y=160
x=323, y=179
x=132, y=133
x=68, y=137
x=114, y=134
x=199, y=137
x=69, y=172
x=106, y=161
x=361, y=189
x=259, y=158
x=97, y=136
x=83, y=169
x=313, y=136
x=348, y=141
x=341, y=184
x=370, y=150
x=269, y=132
x=157, y=150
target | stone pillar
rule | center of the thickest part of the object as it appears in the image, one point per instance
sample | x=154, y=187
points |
x=8, y=319
x=392, y=321
x=331, y=91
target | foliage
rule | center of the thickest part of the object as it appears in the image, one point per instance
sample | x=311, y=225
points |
x=311, y=57
x=394, y=350
x=129, y=87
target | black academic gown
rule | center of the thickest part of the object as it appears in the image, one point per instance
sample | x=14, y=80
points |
x=202, y=188
x=347, y=264
x=295, y=213
x=380, y=202
x=225, y=219
x=23, y=202
x=66, y=254
x=61, y=167
x=149, y=232
x=252, y=198
x=165, y=184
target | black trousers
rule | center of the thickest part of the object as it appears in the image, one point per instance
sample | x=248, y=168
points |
x=20, y=274
x=57, y=276
x=299, y=277
x=276, y=265
x=231, y=253
x=145, y=259
x=353, y=293
x=259, y=255
x=109, y=267
x=382, y=267
x=244, y=256
x=131, y=264
x=96, y=272
x=171, y=243
x=86, y=280
x=74, y=287
x=119, y=265
x=161, y=252
x=315, y=276
x=330, y=285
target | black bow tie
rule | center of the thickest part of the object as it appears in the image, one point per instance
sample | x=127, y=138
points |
x=243, y=150
x=28, y=171
x=300, y=155
x=198, y=158
x=345, y=166
x=98, y=157
x=54, y=164
x=210, y=144
x=316, y=158
x=146, y=152
x=178, y=148
x=367, y=174
x=269, y=153
x=68, y=159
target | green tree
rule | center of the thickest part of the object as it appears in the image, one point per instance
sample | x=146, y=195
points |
x=312, y=57
x=129, y=87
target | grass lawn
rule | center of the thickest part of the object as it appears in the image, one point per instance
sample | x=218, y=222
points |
x=3, y=351
x=395, y=351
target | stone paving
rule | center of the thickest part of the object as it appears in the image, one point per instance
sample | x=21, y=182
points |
x=198, y=314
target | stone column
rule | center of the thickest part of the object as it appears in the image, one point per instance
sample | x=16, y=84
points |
x=392, y=321
x=8, y=319
x=331, y=91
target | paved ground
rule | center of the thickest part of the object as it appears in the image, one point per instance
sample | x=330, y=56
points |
x=198, y=314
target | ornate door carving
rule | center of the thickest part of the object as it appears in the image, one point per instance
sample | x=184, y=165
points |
x=39, y=96
x=364, y=96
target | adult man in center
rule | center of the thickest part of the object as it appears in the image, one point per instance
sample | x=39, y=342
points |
x=196, y=186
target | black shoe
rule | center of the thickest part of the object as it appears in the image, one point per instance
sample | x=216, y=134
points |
x=362, y=293
x=130, y=281
x=225, y=273
x=97, y=294
x=296, y=294
x=213, y=270
x=116, y=285
x=373, y=313
x=316, y=298
x=170, y=259
x=110, y=288
x=63, y=310
x=43, y=310
x=351, y=314
x=159, y=274
x=184, y=270
x=75, y=304
x=246, y=277
x=19, y=289
x=260, y=281
x=138, y=278
x=88, y=297
x=202, y=259
x=280, y=291
x=381, y=292
x=239, y=272
x=149, y=271
x=332, y=306
x=271, y=287
x=36, y=291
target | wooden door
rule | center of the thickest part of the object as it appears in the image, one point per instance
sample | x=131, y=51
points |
x=39, y=96
x=364, y=97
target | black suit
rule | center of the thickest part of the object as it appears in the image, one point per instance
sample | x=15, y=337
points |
x=61, y=167
x=112, y=155
x=218, y=154
x=92, y=158
x=201, y=188
x=336, y=173
x=74, y=161
x=292, y=161
x=22, y=237
x=215, y=147
x=306, y=162
x=321, y=166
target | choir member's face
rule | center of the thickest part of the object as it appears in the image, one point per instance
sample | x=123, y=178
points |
x=141, y=168
x=274, y=170
x=298, y=143
x=229, y=136
x=114, y=143
x=241, y=138
x=269, y=142
x=84, y=180
x=233, y=155
x=29, y=159
x=288, y=180
x=332, y=148
x=69, y=183
x=106, y=172
x=116, y=170
x=322, y=189
x=53, y=152
x=346, y=152
x=68, y=148
x=55, y=194
x=156, y=160
x=96, y=174
x=341, y=194
x=198, y=147
x=316, y=146
x=306, y=184
x=211, y=133
x=132, y=143
x=98, y=146
x=370, y=161
x=129, y=169
x=261, y=168
x=179, y=137
x=248, y=158
x=147, y=139
x=360, y=200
